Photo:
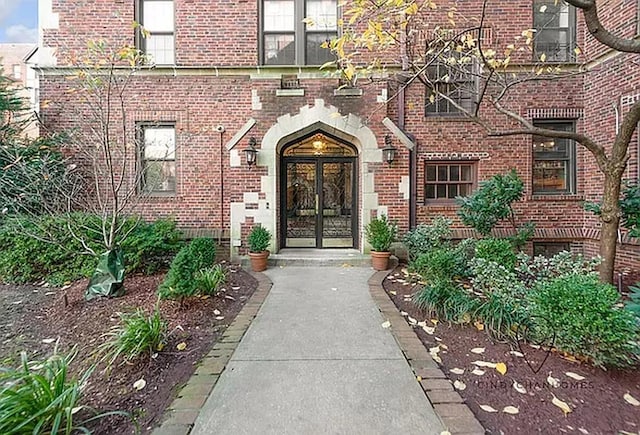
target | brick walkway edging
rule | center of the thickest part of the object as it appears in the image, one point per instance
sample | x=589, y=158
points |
x=183, y=411
x=455, y=415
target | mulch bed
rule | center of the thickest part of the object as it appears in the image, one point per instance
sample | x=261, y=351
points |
x=31, y=314
x=596, y=402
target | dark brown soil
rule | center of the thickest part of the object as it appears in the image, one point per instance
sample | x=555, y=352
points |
x=596, y=402
x=31, y=314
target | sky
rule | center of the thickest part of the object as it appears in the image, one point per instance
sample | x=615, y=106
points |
x=19, y=21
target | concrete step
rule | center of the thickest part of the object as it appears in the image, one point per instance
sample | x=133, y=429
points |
x=316, y=257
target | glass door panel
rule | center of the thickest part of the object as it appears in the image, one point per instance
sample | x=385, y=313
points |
x=301, y=204
x=337, y=204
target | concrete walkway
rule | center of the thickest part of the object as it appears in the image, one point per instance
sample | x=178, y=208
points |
x=316, y=361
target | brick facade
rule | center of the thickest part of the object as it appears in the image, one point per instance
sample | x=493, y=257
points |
x=217, y=81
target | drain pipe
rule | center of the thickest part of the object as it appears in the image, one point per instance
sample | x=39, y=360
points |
x=220, y=129
x=413, y=154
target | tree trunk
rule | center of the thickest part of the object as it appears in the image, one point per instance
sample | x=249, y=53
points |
x=610, y=218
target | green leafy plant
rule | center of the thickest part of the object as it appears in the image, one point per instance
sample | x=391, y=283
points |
x=425, y=237
x=259, y=239
x=136, y=333
x=447, y=300
x=633, y=304
x=210, y=279
x=629, y=205
x=40, y=397
x=440, y=264
x=180, y=281
x=498, y=250
x=587, y=319
x=492, y=202
x=381, y=233
x=540, y=268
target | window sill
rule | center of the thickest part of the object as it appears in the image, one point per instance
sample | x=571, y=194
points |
x=159, y=195
x=443, y=117
x=348, y=92
x=289, y=92
x=555, y=197
x=443, y=206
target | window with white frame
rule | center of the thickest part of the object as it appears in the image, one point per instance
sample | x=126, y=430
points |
x=157, y=158
x=554, y=22
x=294, y=31
x=17, y=72
x=157, y=18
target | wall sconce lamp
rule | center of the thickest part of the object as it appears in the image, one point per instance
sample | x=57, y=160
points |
x=389, y=151
x=250, y=152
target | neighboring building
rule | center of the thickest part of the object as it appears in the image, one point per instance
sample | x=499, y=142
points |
x=14, y=59
x=230, y=72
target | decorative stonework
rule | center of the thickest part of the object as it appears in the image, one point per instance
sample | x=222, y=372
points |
x=288, y=128
x=555, y=113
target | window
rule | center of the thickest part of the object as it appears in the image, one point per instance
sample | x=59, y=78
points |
x=293, y=31
x=17, y=72
x=555, y=25
x=549, y=249
x=456, y=82
x=157, y=158
x=554, y=163
x=447, y=180
x=157, y=19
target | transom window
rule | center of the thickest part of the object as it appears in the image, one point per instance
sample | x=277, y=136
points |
x=457, y=82
x=320, y=145
x=448, y=180
x=293, y=31
x=158, y=41
x=157, y=158
x=555, y=25
x=554, y=162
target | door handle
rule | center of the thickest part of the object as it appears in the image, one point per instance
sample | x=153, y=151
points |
x=317, y=204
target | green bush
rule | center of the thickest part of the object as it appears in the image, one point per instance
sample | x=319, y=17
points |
x=381, y=233
x=633, y=305
x=210, y=279
x=50, y=248
x=39, y=397
x=440, y=264
x=258, y=239
x=498, y=250
x=540, y=268
x=447, y=300
x=181, y=281
x=585, y=316
x=425, y=237
x=136, y=334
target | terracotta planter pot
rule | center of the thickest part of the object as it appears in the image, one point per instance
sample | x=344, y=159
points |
x=380, y=260
x=258, y=260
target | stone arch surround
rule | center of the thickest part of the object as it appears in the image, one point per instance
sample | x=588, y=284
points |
x=287, y=129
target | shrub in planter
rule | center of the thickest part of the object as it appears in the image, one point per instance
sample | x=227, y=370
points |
x=586, y=317
x=424, y=238
x=258, y=241
x=180, y=281
x=380, y=234
x=498, y=250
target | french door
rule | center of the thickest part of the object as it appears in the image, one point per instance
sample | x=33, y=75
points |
x=318, y=202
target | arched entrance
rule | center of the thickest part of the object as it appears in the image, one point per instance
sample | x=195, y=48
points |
x=318, y=189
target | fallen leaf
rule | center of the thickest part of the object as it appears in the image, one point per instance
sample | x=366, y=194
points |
x=216, y=312
x=457, y=371
x=484, y=364
x=478, y=350
x=436, y=358
x=435, y=349
x=160, y=347
x=386, y=324
x=334, y=289
x=181, y=346
x=583, y=430
x=76, y=409
x=404, y=313
x=560, y=404
x=429, y=330
x=554, y=382
x=575, y=376
x=445, y=432
x=434, y=321
x=412, y=320
x=459, y=385
x=501, y=368
x=219, y=317
x=510, y=410
x=478, y=372
x=487, y=408
x=48, y=340
x=516, y=353
x=140, y=384
x=479, y=325
x=519, y=388
x=393, y=292
x=631, y=400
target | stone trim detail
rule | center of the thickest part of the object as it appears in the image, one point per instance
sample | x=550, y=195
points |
x=456, y=156
x=449, y=406
x=555, y=113
x=184, y=410
x=240, y=134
